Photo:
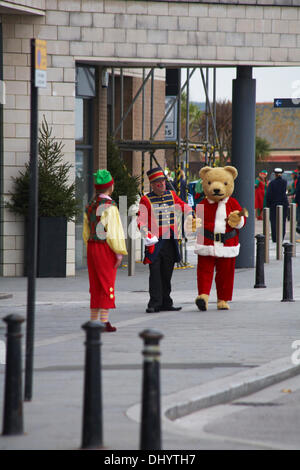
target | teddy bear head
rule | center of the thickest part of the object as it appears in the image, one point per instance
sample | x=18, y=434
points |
x=218, y=183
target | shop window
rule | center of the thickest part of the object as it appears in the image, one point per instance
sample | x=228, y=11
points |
x=84, y=136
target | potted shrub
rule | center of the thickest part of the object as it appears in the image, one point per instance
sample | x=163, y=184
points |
x=56, y=204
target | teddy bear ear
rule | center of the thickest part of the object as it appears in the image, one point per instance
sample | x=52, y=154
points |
x=203, y=171
x=231, y=170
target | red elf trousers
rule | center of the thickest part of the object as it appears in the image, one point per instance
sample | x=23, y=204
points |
x=102, y=275
x=224, y=275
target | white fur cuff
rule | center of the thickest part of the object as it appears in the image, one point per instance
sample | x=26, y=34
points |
x=219, y=250
x=151, y=241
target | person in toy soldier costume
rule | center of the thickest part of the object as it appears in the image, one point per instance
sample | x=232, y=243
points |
x=104, y=236
x=158, y=225
x=276, y=195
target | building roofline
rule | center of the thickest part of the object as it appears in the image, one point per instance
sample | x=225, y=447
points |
x=12, y=8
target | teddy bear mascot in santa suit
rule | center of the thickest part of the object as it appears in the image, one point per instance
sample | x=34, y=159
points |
x=217, y=242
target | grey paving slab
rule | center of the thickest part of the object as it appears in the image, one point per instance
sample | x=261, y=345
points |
x=199, y=349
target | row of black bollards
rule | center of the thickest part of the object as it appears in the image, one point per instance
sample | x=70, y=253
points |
x=287, y=294
x=92, y=423
x=92, y=429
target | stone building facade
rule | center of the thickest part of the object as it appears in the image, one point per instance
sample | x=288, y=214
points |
x=118, y=33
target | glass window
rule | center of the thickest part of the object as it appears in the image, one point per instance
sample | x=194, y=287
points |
x=79, y=120
x=82, y=194
x=85, y=81
x=85, y=91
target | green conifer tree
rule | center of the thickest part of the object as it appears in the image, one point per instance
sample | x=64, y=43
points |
x=124, y=183
x=56, y=195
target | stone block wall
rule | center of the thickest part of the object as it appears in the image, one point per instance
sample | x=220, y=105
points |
x=56, y=103
x=125, y=32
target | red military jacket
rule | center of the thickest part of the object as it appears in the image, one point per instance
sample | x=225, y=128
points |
x=159, y=214
x=213, y=215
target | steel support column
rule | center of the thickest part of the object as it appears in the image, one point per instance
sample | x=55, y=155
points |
x=243, y=156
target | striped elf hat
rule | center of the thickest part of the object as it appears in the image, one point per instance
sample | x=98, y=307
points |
x=155, y=174
x=103, y=180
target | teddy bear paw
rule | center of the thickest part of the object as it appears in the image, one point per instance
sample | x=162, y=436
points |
x=234, y=219
x=202, y=302
x=222, y=305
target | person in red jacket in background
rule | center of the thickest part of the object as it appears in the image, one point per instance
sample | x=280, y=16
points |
x=260, y=193
x=157, y=221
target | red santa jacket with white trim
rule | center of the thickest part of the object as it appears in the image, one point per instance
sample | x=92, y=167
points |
x=213, y=215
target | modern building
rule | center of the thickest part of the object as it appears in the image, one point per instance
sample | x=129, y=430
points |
x=281, y=128
x=126, y=38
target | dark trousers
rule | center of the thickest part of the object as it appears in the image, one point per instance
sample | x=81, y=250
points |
x=161, y=271
x=273, y=221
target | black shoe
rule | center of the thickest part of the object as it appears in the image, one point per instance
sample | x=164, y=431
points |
x=170, y=309
x=201, y=304
x=152, y=310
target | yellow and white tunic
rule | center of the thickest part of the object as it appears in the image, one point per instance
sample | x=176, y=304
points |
x=104, y=236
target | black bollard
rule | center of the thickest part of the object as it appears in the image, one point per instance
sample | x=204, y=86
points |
x=13, y=402
x=260, y=259
x=287, y=295
x=150, y=438
x=92, y=428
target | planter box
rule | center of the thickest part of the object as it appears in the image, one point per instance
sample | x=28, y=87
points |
x=52, y=247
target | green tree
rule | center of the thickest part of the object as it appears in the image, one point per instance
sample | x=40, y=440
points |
x=224, y=133
x=195, y=115
x=262, y=149
x=56, y=196
x=124, y=183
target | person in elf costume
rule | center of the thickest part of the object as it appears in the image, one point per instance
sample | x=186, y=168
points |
x=291, y=189
x=104, y=236
x=295, y=192
x=158, y=225
x=199, y=194
x=260, y=193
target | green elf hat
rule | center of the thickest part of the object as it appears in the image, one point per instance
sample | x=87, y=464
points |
x=103, y=180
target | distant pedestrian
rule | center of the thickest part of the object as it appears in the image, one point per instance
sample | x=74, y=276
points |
x=276, y=196
x=297, y=201
x=104, y=236
x=294, y=192
x=260, y=193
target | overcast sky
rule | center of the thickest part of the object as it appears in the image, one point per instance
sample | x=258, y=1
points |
x=271, y=83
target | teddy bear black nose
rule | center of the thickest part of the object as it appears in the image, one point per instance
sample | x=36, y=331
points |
x=216, y=190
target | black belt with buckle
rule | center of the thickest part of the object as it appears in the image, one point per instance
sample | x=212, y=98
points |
x=219, y=237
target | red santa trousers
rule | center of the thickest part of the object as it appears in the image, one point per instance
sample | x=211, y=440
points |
x=224, y=275
x=102, y=275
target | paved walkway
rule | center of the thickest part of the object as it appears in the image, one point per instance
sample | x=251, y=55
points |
x=207, y=357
